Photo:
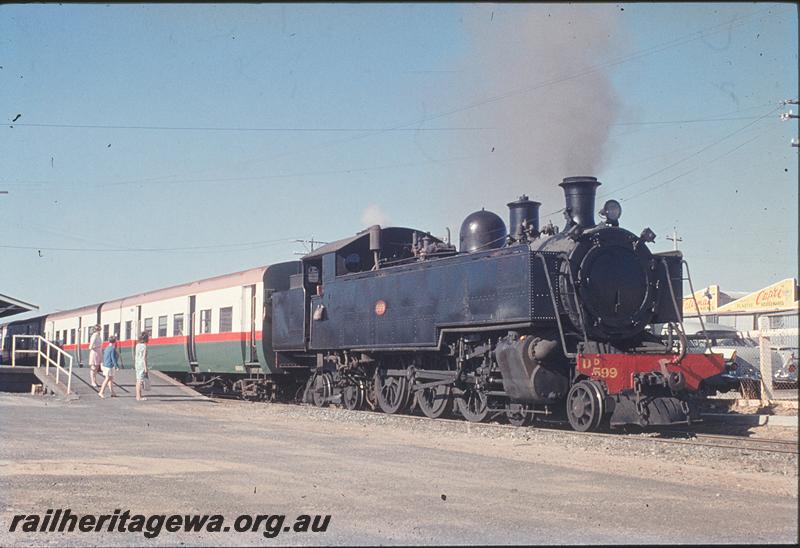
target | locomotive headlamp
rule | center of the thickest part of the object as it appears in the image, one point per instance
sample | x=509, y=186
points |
x=612, y=211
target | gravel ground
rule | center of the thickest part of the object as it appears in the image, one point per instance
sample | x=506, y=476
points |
x=623, y=444
x=383, y=479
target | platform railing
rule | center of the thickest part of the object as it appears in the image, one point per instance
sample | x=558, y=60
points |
x=42, y=351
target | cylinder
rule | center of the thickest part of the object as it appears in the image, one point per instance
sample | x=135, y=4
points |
x=579, y=195
x=522, y=211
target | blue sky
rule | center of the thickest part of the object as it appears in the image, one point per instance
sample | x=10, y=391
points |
x=330, y=117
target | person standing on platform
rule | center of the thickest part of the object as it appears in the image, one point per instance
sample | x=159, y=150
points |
x=110, y=363
x=95, y=355
x=140, y=363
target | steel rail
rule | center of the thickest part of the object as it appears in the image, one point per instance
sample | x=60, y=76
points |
x=555, y=429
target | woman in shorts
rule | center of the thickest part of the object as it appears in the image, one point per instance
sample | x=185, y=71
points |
x=140, y=363
x=110, y=363
x=95, y=355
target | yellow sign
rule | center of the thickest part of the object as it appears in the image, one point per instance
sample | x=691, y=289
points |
x=778, y=296
x=707, y=301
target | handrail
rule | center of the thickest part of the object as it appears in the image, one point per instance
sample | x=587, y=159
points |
x=555, y=307
x=696, y=306
x=40, y=354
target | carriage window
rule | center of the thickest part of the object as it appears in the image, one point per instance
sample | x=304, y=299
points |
x=148, y=326
x=177, y=325
x=116, y=330
x=226, y=319
x=72, y=336
x=128, y=330
x=205, y=321
x=162, y=326
x=105, y=332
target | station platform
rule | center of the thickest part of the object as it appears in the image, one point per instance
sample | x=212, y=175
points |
x=162, y=386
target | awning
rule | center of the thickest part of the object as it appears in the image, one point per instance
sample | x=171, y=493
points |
x=9, y=306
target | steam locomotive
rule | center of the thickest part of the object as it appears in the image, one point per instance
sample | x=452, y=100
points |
x=538, y=321
x=523, y=322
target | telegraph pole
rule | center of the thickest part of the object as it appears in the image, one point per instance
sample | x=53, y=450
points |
x=309, y=245
x=675, y=238
x=786, y=116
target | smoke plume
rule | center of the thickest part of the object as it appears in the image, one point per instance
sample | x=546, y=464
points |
x=531, y=73
x=374, y=215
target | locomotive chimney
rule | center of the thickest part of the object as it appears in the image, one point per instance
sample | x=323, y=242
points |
x=521, y=211
x=579, y=194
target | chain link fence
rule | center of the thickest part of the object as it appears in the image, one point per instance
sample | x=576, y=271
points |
x=778, y=355
x=766, y=354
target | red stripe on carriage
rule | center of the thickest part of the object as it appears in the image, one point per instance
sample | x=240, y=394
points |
x=157, y=341
x=225, y=337
x=235, y=336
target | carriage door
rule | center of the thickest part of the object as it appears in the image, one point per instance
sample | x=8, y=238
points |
x=78, y=341
x=249, y=322
x=190, y=353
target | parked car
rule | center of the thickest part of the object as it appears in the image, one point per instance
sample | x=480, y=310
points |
x=784, y=371
x=742, y=356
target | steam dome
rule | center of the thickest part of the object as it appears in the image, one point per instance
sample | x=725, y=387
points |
x=481, y=231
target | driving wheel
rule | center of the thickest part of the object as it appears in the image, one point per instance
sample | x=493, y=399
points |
x=392, y=393
x=436, y=401
x=585, y=406
x=321, y=389
x=353, y=396
x=473, y=404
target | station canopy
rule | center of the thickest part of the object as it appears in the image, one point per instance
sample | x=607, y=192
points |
x=10, y=306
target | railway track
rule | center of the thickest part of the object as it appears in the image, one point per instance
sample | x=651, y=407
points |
x=742, y=443
x=674, y=437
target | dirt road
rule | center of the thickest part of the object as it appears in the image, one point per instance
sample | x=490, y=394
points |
x=383, y=480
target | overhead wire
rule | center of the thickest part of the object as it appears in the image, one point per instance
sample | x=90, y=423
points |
x=696, y=35
x=213, y=248
x=740, y=21
x=678, y=162
x=257, y=177
x=705, y=164
x=256, y=129
x=693, y=154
